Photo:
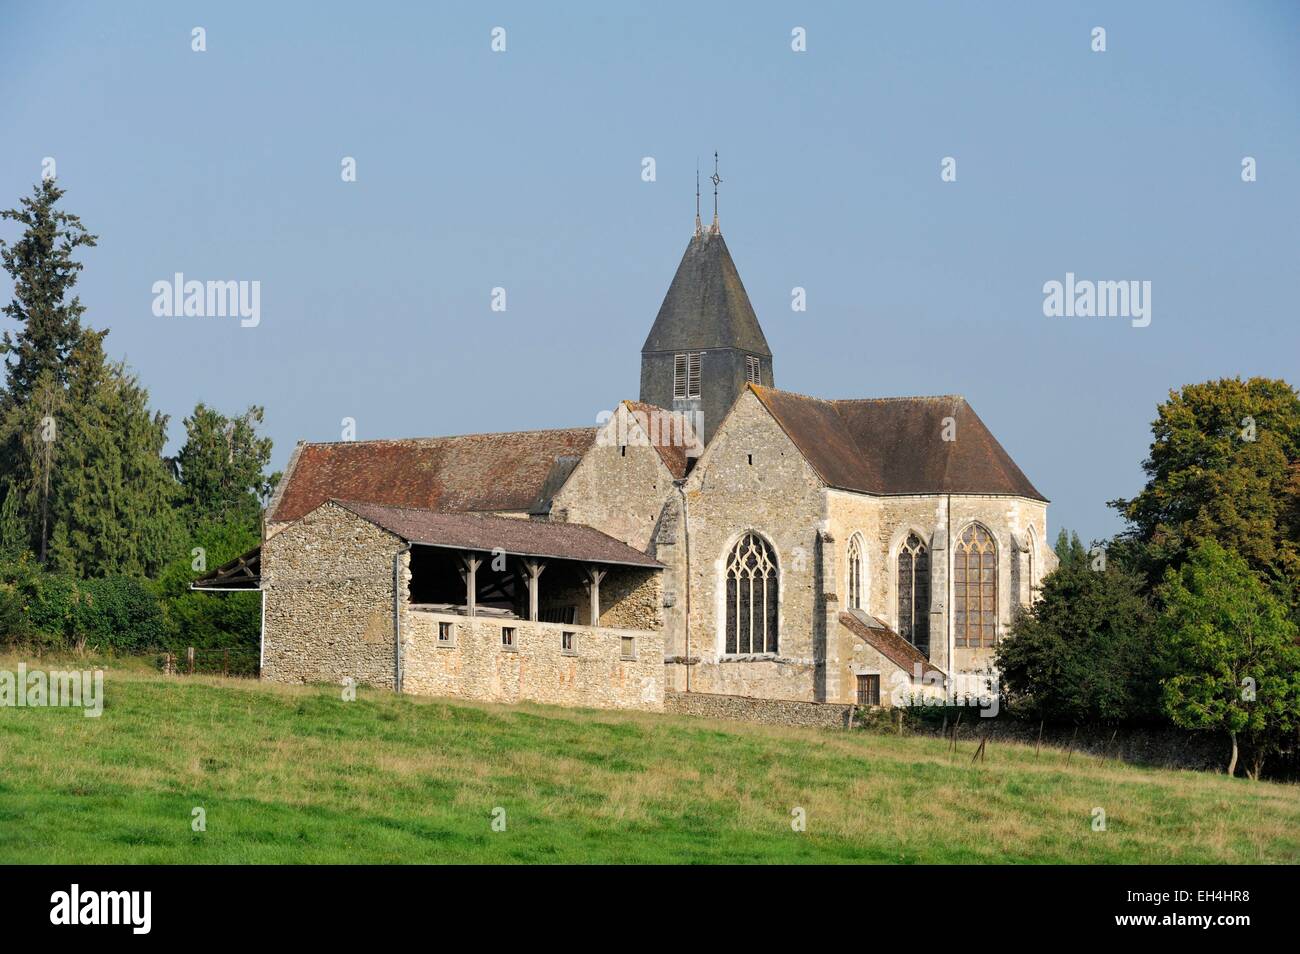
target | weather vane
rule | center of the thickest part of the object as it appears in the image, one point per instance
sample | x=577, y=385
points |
x=716, y=179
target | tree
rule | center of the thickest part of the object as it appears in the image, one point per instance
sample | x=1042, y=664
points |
x=223, y=466
x=80, y=452
x=1083, y=651
x=13, y=535
x=112, y=498
x=43, y=270
x=1231, y=649
x=1068, y=548
x=1221, y=461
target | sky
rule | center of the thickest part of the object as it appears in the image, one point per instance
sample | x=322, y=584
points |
x=523, y=169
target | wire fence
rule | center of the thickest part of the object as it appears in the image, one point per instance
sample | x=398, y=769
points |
x=213, y=662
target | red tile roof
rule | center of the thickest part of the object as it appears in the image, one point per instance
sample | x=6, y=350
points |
x=512, y=535
x=665, y=436
x=890, y=645
x=513, y=471
x=897, y=445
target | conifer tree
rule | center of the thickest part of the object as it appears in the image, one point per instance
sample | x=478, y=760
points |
x=44, y=272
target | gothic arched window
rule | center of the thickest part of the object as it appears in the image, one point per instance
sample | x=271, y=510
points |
x=751, y=597
x=856, y=575
x=914, y=593
x=975, y=588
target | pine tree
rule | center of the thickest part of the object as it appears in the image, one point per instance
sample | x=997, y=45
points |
x=223, y=467
x=80, y=451
x=112, y=495
x=44, y=272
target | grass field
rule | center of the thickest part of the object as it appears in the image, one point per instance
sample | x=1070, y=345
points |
x=289, y=774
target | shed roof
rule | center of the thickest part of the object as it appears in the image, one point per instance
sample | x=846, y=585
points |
x=888, y=643
x=512, y=535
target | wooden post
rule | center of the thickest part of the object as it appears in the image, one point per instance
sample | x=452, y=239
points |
x=225, y=661
x=534, y=568
x=594, y=575
x=1039, y=744
x=189, y=655
x=955, y=727
x=1112, y=741
x=1070, y=754
x=472, y=562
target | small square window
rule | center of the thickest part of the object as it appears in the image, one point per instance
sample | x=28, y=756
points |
x=569, y=643
x=509, y=638
x=628, y=647
x=446, y=634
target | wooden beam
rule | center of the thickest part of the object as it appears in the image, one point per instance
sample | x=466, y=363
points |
x=594, y=575
x=471, y=562
x=534, y=568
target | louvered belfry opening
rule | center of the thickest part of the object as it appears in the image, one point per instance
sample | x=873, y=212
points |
x=752, y=597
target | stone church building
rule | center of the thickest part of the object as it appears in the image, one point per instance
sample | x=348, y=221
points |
x=718, y=535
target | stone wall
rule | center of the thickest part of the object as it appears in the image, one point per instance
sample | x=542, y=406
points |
x=477, y=666
x=763, y=711
x=619, y=489
x=752, y=477
x=1019, y=526
x=329, y=600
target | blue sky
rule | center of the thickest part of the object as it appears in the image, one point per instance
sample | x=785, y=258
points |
x=522, y=170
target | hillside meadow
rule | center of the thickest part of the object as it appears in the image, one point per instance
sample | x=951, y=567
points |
x=298, y=775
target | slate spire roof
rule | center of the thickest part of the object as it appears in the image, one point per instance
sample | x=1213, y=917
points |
x=706, y=306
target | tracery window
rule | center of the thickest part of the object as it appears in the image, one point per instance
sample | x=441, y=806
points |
x=914, y=593
x=855, y=572
x=752, y=580
x=975, y=588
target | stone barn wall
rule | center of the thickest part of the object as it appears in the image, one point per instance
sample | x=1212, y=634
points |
x=475, y=665
x=329, y=600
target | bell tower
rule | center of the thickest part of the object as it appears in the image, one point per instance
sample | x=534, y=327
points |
x=706, y=342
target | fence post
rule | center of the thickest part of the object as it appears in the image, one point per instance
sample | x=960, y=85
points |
x=189, y=655
x=225, y=662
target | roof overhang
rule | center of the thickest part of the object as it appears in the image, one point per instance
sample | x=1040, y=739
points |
x=242, y=574
x=512, y=536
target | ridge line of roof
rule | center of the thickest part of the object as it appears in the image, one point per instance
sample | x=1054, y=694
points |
x=445, y=437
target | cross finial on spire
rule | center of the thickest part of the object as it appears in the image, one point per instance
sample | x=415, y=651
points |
x=717, y=179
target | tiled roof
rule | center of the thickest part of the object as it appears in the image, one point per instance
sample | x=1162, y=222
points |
x=672, y=452
x=706, y=305
x=512, y=535
x=512, y=471
x=897, y=445
x=889, y=644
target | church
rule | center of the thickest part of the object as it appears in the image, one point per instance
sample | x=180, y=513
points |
x=715, y=536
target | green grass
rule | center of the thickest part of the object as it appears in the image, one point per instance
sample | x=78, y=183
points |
x=295, y=774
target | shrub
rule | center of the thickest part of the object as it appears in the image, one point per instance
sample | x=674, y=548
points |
x=118, y=613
